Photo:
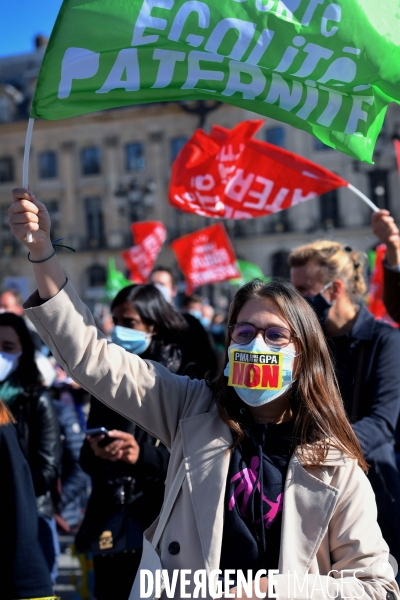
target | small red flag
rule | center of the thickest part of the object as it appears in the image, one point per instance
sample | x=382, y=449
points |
x=397, y=149
x=375, y=292
x=228, y=174
x=206, y=256
x=148, y=237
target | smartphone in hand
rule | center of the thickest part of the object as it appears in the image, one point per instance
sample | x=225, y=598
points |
x=93, y=433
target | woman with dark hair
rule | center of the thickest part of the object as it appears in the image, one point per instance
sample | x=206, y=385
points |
x=147, y=325
x=38, y=432
x=24, y=573
x=265, y=470
x=128, y=476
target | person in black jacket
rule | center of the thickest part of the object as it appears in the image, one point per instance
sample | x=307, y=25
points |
x=36, y=422
x=366, y=354
x=199, y=352
x=74, y=481
x=128, y=474
x=24, y=572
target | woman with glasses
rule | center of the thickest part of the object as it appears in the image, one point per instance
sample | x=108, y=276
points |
x=273, y=473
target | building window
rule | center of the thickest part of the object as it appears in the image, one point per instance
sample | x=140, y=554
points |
x=329, y=209
x=319, y=145
x=96, y=276
x=4, y=226
x=276, y=136
x=47, y=165
x=91, y=161
x=4, y=109
x=53, y=209
x=8, y=243
x=94, y=222
x=176, y=146
x=6, y=169
x=135, y=157
x=279, y=264
x=278, y=222
x=378, y=186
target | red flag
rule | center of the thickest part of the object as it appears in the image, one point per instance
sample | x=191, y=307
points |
x=206, y=256
x=375, y=292
x=228, y=174
x=148, y=237
x=397, y=149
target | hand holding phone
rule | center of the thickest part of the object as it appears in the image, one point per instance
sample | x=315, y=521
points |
x=100, y=431
x=113, y=445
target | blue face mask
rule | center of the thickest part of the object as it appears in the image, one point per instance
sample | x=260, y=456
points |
x=131, y=340
x=258, y=397
x=196, y=313
x=206, y=322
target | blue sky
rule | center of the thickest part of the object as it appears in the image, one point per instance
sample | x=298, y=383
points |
x=21, y=20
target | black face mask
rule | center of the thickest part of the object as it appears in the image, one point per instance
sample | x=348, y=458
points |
x=320, y=305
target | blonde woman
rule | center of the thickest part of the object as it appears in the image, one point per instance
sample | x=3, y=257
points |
x=270, y=476
x=366, y=358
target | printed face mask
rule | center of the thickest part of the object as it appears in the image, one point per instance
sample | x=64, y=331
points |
x=320, y=304
x=8, y=364
x=259, y=373
x=131, y=340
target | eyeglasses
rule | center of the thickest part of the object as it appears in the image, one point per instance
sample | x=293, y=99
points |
x=244, y=333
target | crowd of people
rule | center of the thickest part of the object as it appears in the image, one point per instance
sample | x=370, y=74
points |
x=94, y=429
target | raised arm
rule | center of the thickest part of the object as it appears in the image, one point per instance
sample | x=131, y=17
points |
x=385, y=228
x=144, y=392
x=29, y=214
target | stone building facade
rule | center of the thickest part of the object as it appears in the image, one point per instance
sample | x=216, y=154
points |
x=99, y=172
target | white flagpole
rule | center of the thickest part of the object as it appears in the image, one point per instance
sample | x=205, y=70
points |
x=25, y=166
x=363, y=197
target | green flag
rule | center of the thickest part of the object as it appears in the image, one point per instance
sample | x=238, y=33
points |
x=328, y=68
x=115, y=281
x=248, y=271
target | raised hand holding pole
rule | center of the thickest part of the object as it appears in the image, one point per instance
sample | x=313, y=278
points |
x=25, y=166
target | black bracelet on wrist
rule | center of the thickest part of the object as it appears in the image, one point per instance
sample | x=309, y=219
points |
x=55, y=246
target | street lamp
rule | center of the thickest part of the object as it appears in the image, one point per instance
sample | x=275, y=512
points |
x=135, y=198
x=200, y=108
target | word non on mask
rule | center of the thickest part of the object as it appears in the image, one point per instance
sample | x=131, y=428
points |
x=131, y=340
x=259, y=373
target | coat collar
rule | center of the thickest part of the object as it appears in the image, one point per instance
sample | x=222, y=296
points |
x=206, y=440
x=363, y=327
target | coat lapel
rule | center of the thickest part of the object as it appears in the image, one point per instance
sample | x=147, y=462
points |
x=206, y=440
x=309, y=502
x=308, y=506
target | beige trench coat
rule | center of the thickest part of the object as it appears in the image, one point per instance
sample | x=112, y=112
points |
x=329, y=514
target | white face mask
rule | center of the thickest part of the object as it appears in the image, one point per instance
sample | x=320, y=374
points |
x=166, y=291
x=259, y=373
x=8, y=364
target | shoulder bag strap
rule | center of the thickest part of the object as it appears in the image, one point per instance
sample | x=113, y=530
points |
x=169, y=503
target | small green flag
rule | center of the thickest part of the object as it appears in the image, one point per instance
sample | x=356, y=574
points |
x=115, y=281
x=328, y=68
x=248, y=271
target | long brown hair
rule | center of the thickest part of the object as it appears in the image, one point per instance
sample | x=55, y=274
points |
x=320, y=418
x=5, y=415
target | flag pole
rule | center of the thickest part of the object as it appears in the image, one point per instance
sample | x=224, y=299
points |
x=25, y=166
x=363, y=197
